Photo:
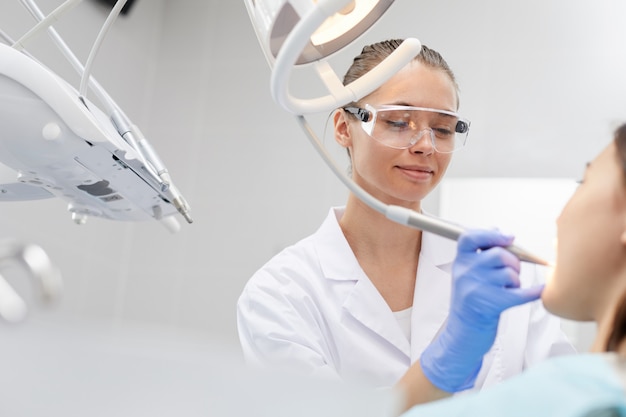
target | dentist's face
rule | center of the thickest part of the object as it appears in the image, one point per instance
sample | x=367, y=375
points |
x=399, y=176
x=590, y=250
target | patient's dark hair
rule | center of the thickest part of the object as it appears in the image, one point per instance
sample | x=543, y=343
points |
x=618, y=333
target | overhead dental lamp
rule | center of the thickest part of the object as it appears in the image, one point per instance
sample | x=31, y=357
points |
x=61, y=144
x=301, y=32
x=277, y=19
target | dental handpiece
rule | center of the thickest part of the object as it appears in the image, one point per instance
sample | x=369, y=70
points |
x=443, y=228
x=398, y=214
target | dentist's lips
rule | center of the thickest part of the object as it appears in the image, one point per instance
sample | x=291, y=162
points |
x=417, y=172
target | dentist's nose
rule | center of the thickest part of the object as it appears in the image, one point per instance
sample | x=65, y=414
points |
x=423, y=142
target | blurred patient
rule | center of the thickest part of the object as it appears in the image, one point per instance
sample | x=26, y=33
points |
x=588, y=283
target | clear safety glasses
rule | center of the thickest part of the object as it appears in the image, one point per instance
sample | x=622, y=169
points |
x=401, y=127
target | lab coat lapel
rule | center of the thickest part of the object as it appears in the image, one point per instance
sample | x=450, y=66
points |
x=359, y=297
x=367, y=306
x=431, y=301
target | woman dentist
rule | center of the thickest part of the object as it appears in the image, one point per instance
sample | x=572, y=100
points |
x=364, y=298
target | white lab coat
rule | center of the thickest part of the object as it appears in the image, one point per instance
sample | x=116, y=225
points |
x=312, y=309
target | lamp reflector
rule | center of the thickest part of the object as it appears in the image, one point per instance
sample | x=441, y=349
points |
x=276, y=19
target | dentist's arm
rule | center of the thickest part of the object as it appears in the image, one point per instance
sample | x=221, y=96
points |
x=485, y=282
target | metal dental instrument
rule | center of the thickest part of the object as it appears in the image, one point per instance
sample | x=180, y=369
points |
x=403, y=215
x=440, y=227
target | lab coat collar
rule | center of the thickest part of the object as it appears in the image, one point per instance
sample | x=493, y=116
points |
x=439, y=250
x=362, y=300
x=361, y=303
x=430, y=309
x=336, y=258
x=338, y=263
x=431, y=302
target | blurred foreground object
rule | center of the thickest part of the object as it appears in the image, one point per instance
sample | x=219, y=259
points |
x=83, y=368
x=35, y=263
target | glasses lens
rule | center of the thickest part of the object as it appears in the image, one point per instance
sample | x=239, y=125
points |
x=401, y=128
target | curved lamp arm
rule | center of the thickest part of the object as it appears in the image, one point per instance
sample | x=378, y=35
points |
x=299, y=38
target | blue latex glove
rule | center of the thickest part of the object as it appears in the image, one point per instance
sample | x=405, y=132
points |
x=485, y=283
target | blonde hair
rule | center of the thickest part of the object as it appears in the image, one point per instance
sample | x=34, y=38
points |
x=374, y=54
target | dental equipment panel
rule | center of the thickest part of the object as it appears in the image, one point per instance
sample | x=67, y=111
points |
x=60, y=144
x=305, y=32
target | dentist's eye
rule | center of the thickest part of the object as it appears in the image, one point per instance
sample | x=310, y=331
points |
x=442, y=132
x=397, y=125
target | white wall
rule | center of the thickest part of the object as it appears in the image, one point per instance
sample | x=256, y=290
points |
x=541, y=81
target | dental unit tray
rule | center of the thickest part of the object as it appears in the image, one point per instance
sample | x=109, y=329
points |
x=61, y=145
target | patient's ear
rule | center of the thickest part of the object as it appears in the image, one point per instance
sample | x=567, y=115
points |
x=342, y=128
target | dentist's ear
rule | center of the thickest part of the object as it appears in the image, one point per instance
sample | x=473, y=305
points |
x=342, y=128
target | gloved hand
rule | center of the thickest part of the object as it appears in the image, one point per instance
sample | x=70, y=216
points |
x=485, y=283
